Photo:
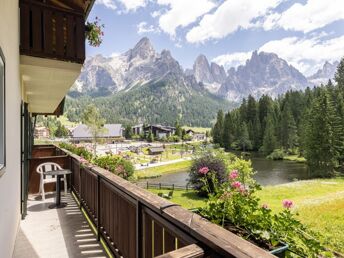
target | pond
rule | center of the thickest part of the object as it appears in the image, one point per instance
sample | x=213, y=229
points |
x=269, y=172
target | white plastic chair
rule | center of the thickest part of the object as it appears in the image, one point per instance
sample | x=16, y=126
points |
x=45, y=179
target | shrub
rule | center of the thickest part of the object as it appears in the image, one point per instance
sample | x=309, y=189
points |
x=277, y=154
x=205, y=182
x=115, y=164
x=235, y=206
x=78, y=150
x=173, y=138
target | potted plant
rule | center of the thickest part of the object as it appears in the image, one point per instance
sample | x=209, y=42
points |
x=94, y=32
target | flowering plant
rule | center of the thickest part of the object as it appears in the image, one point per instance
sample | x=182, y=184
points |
x=94, y=32
x=235, y=206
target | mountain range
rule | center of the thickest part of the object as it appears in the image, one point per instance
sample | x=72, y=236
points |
x=143, y=76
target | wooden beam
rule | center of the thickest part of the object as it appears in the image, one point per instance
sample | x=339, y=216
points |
x=190, y=251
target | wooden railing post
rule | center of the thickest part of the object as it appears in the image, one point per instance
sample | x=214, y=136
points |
x=139, y=230
x=98, y=207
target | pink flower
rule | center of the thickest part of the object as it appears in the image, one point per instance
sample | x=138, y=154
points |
x=265, y=206
x=236, y=184
x=203, y=170
x=287, y=204
x=242, y=189
x=234, y=174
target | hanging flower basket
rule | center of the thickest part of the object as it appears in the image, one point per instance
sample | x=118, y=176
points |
x=94, y=32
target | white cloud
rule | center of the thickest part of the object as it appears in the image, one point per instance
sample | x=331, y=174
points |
x=181, y=13
x=133, y=5
x=107, y=3
x=307, y=55
x=228, y=18
x=232, y=60
x=310, y=16
x=156, y=13
x=143, y=27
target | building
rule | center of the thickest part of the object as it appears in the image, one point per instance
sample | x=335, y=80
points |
x=42, y=50
x=110, y=133
x=155, y=150
x=160, y=131
x=137, y=129
x=41, y=132
x=195, y=136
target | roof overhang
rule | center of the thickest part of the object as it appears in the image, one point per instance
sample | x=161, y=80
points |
x=79, y=6
x=45, y=82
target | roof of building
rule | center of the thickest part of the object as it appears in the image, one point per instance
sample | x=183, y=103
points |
x=156, y=149
x=113, y=130
x=162, y=127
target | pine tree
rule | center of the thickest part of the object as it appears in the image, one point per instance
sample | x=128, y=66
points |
x=227, y=132
x=244, y=140
x=218, y=129
x=289, y=137
x=269, y=141
x=128, y=133
x=321, y=150
x=178, y=131
x=339, y=76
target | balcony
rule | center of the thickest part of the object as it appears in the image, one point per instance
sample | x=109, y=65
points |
x=131, y=221
x=51, y=32
x=52, y=50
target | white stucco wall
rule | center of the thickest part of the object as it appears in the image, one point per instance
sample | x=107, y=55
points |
x=10, y=181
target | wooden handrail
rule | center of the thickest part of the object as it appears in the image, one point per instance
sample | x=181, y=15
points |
x=190, y=251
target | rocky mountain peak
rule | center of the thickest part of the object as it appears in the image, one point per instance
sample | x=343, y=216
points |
x=325, y=73
x=218, y=72
x=202, y=70
x=143, y=50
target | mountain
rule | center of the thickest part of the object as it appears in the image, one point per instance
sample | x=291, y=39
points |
x=146, y=86
x=142, y=85
x=324, y=74
x=263, y=73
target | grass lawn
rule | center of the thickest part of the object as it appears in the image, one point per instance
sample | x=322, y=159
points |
x=187, y=199
x=158, y=171
x=320, y=204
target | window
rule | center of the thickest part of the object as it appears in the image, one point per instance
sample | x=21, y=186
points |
x=2, y=113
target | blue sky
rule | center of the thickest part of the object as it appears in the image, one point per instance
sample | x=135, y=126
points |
x=304, y=32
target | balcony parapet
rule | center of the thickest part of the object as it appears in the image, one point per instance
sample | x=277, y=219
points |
x=51, y=32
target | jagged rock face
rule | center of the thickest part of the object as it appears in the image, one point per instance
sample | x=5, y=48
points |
x=135, y=67
x=327, y=72
x=218, y=73
x=202, y=70
x=264, y=73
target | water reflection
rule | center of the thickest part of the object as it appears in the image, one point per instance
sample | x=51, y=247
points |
x=268, y=173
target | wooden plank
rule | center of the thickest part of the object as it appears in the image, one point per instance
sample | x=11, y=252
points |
x=48, y=31
x=24, y=27
x=190, y=251
x=147, y=241
x=169, y=241
x=80, y=38
x=70, y=51
x=59, y=34
x=158, y=239
x=36, y=26
x=132, y=236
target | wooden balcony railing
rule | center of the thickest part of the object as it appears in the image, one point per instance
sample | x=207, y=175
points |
x=136, y=223
x=50, y=32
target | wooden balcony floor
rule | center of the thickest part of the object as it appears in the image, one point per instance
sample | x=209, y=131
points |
x=55, y=232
